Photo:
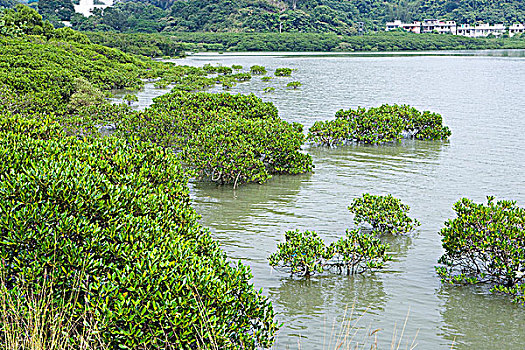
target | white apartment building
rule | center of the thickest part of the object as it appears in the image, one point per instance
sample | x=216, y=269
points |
x=516, y=29
x=86, y=6
x=450, y=27
x=442, y=27
x=427, y=26
x=481, y=30
x=414, y=27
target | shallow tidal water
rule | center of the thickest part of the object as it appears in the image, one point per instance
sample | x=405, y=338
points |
x=481, y=97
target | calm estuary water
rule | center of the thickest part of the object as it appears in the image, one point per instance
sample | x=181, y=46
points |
x=482, y=100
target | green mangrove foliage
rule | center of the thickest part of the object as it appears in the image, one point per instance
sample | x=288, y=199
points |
x=114, y=214
x=117, y=216
x=70, y=77
x=305, y=253
x=84, y=95
x=485, y=243
x=228, y=139
x=258, y=70
x=378, y=125
x=283, y=72
x=130, y=99
x=241, y=77
x=317, y=42
x=217, y=69
x=358, y=252
x=151, y=45
x=51, y=64
x=385, y=214
x=294, y=85
x=52, y=68
x=302, y=253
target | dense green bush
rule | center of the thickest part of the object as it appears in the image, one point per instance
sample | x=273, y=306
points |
x=23, y=20
x=228, y=139
x=486, y=244
x=358, y=252
x=305, y=253
x=249, y=151
x=302, y=253
x=257, y=70
x=283, y=72
x=377, y=125
x=113, y=214
x=37, y=67
x=151, y=45
x=294, y=85
x=117, y=217
x=386, y=214
x=300, y=42
x=68, y=34
x=217, y=69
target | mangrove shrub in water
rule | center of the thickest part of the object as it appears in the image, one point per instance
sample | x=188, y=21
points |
x=294, y=85
x=283, y=72
x=305, y=253
x=258, y=70
x=386, y=214
x=378, y=125
x=228, y=139
x=485, y=244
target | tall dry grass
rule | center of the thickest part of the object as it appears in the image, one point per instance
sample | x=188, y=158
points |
x=30, y=320
x=349, y=334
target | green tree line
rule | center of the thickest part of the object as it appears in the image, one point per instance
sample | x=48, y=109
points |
x=306, y=16
x=381, y=41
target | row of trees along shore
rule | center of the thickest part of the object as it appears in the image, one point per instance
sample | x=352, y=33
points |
x=106, y=221
x=176, y=43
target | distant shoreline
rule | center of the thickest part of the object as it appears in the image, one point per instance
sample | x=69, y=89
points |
x=465, y=53
x=166, y=44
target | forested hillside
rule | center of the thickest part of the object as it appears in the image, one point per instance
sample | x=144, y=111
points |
x=311, y=16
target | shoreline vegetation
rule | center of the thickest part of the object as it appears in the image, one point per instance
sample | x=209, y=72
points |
x=107, y=220
x=176, y=44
